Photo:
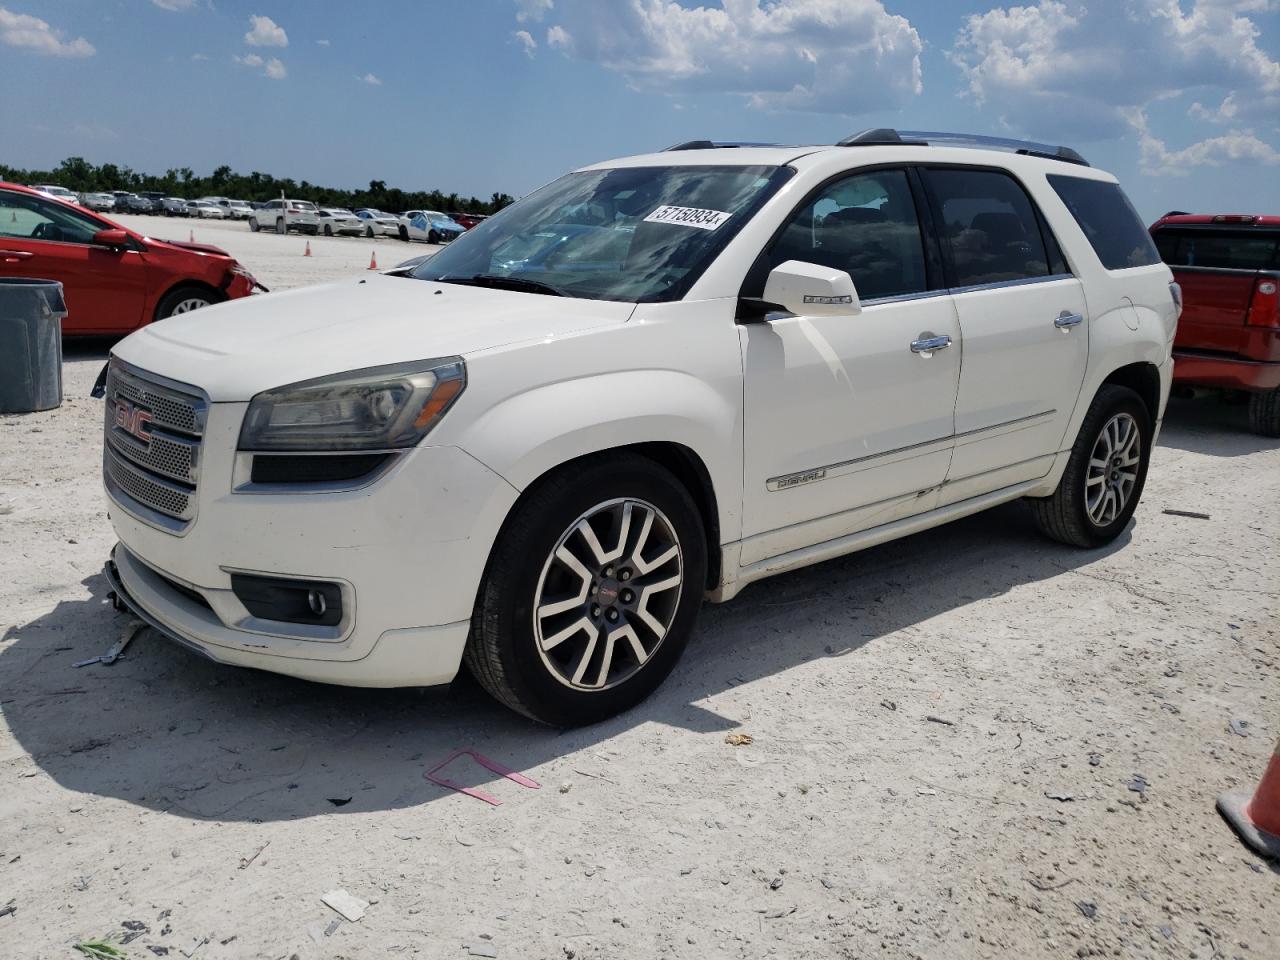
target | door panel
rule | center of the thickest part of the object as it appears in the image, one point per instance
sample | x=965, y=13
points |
x=1025, y=328
x=844, y=423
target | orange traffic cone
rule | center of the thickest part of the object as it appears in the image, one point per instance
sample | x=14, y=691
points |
x=307, y=252
x=373, y=260
x=1257, y=819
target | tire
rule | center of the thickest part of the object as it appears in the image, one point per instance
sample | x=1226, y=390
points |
x=1264, y=413
x=571, y=682
x=184, y=300
x=328, y=230
x=253, y=224
x=281, y=227
x=433, y=237
x=1079, y=512
x=368, y=232
x=404, y=233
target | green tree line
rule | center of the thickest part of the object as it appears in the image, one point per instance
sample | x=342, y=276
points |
x=79, y=175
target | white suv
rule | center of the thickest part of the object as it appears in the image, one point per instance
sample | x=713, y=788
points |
x=285, y=215
x=651, y=382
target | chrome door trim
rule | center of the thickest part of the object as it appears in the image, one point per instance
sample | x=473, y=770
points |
x=1024, y=281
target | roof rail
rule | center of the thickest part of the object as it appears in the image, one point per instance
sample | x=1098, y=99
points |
x=924, y=138
x=714, y=145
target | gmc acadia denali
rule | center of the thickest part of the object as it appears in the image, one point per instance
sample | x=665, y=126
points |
x=653, y=381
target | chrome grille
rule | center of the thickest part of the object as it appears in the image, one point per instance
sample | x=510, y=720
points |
x=151, y=452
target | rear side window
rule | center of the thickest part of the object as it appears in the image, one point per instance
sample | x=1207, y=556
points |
x=988, y=227
x=1232, y=250
x=1111, y=225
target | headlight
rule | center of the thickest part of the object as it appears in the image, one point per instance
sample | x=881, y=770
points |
x=377, y=408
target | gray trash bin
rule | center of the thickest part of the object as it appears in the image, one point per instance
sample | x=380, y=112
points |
x=31, y=313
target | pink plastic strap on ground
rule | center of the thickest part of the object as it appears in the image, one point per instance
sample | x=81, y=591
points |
x=488, y=764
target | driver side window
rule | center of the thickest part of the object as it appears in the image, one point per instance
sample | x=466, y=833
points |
x=865, y=224
x=33, y=218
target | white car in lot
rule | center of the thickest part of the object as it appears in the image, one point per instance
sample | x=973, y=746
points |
x=236, y=209
x=285, y=215
x=379, y=224
x=653, y=381
x=205, y=210
x=58, y=193
x=335, y=220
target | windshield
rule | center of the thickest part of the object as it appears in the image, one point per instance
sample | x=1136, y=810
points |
x=635, y=234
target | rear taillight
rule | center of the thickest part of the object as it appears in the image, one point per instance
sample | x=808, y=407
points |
x=1175, y=290
x=1264, y=308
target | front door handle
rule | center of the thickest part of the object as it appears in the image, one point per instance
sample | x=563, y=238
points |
x=1068, y=320
x=927, y=345
x=13, y=256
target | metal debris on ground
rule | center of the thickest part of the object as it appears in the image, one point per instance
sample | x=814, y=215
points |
x=738, y=739
x=1060, y=797
x=245, y=862
x=1193, y=514
x=1088, y=908
x=352, y=908
x=483, y=949
x=116, y=650
x=1138, y=785
x=942, y=720
x=1239, y=727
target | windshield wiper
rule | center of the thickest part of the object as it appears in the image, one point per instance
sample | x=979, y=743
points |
x=504, y=283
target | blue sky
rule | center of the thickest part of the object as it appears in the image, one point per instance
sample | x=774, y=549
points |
x=1179, y=98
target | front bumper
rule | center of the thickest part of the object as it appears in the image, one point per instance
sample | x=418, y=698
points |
x=1228, y=373
x=408, y=550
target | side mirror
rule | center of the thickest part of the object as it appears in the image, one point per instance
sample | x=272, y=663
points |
x=811, y=290
x=116, y=239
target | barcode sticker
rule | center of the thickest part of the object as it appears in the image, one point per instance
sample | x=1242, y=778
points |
x=688, y=217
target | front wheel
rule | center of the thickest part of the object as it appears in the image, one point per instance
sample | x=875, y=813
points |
x=253, y=225
x=591, y=593
x=433, y=237
x=328, y=230
x=368, y=232
x=280, y=227
x=1264, y=413
x=183, y=300
x=1103, y=481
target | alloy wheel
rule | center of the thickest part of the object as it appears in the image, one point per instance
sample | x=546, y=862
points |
x=608, y=594
x=189, y=304
x=1113, y=469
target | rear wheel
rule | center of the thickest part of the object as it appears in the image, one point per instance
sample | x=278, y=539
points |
x=280, y=227
x=253, y=225
x=328, y=231
x=368, y=232
x=1264, y=413
x=184, y=300
x=592, y=592
x=433, y=237
x=404, y=233
x=1104, y=478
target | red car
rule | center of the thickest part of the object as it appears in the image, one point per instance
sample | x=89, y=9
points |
x=1229, y=335
x=114, y=280
x=467, y=220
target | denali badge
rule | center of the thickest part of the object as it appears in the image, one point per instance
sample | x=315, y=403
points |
x=133, y=420
x=796, y=479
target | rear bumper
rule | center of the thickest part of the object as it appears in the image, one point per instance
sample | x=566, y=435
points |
x=1228, y=373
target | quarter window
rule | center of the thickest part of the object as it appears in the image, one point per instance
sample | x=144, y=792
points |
x=988, y=227
x=865, y=224
x=1108, y=220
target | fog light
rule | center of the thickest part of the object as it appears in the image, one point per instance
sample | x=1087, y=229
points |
x=311, y=602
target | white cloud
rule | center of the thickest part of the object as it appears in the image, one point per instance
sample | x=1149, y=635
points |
x=199, y=56
x=370, y=79
x=265, y=32
x=828, y=56
x=32, y=33
x=271, y=68
x=275, y=69
x=174, y=5
x=248, y=60
x=322, y=43
x=525, y=39
x=1236, y=146
x=1061, y=69
x=532, y=9
x=559, y=38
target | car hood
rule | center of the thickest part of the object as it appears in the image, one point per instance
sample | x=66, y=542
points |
x=237, y=349
x=194, y=247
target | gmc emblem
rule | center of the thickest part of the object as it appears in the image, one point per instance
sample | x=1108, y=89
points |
x=133, y=420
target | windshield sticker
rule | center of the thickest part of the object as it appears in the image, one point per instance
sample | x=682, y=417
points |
x=689, y=217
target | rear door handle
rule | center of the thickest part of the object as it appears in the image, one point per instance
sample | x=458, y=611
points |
x=1068, y=320
x=929, y=344
x=13, y=256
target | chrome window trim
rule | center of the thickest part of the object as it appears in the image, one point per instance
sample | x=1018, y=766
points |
x=1021, y=282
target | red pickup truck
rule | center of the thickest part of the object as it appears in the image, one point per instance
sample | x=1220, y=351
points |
x=1229, y=335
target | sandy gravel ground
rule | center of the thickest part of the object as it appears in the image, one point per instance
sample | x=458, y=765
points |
x=970, y=743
